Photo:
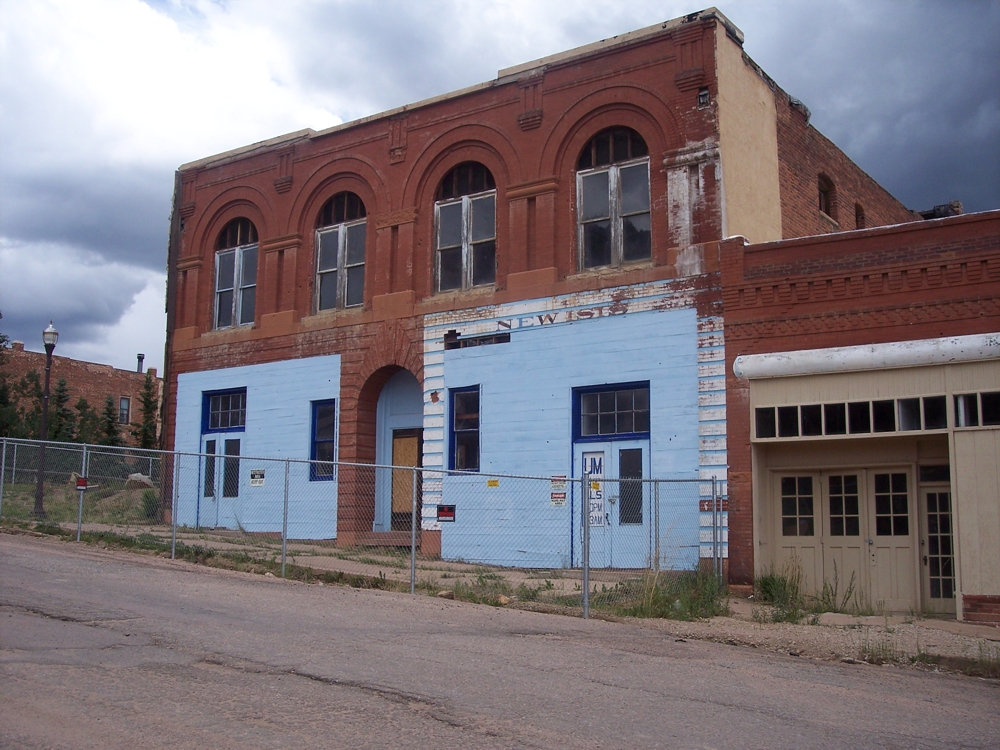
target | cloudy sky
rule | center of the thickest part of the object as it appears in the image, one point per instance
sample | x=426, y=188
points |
x=101, y=100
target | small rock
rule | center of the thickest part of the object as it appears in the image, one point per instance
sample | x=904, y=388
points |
x=849, y=660
x=503, y=601
x=795, y=653
x=269, y=574
x=446, y=594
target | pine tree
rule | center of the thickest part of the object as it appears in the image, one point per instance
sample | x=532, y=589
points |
x=10, y=423
x=63, y=427
x=145, y=433
x=88, y=422
x=109, y=424
x=30, y=387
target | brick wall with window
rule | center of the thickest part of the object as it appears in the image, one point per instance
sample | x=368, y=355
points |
x=914, y=281
x=88, y=380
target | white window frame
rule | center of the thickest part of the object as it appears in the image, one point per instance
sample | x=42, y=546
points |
x=239, y=290
x=467, y=244
x=616, y=216
x=342, y=266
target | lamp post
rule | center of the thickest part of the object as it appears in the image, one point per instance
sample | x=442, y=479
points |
x=49, y=337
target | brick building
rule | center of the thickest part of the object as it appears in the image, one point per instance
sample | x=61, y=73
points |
x=464, y=282
x=88, y=380
x=863, y=412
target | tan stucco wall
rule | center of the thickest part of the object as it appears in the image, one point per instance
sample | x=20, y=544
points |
x=748, y=146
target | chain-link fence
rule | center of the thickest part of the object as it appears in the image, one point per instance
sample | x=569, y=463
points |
x=624, y=545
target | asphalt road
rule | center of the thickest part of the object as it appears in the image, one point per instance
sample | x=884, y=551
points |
x=112, y=650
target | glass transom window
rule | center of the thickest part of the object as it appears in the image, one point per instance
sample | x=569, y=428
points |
x=614, y=412
x=227, y=411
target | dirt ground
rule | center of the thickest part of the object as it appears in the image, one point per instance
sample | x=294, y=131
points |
x=923, y=642
x=927, y=643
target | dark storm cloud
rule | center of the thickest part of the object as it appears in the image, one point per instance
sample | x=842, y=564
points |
x=121, y=214
x=910, y=91
x=80, y=291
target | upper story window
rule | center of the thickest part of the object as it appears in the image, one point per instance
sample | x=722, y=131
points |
x=124, y=410
x=465, y=217
x=859, y=216
x=236, y=274
x=827, y=197
x=612, y=186
x=340, y=252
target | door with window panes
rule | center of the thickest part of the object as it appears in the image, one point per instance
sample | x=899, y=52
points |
x=891, y=546
x=851, y=530
x=612, y=445
x=937, y=552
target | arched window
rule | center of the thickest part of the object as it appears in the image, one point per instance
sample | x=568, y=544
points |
x=613, y=199
x=340, y=252
x=236, y=274
x=465, y=219
x=827, y=197
x=859, y=216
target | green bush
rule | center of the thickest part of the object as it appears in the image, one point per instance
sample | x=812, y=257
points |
x=150, y=505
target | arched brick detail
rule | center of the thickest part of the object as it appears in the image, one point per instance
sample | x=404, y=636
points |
x=396, y=345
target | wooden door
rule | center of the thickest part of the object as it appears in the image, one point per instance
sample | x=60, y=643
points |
x=406, y=451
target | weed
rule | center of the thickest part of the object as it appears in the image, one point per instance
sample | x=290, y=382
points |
x=680, y=595
x=829, y=599
x=878, y=649
x=783, y=590
x=488, y=588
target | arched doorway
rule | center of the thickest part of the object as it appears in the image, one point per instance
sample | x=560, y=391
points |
x=399, y=423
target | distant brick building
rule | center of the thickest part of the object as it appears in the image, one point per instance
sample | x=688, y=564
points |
x=863, y=412
x=522, y=276
x=88, y=380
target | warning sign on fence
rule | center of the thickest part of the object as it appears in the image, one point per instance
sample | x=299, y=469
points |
x=557, y=490
x=256, y=477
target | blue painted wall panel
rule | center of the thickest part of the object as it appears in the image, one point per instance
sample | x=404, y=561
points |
x=278, y=425
x=526, y=428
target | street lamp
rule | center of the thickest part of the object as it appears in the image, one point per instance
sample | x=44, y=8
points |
x=49, y=337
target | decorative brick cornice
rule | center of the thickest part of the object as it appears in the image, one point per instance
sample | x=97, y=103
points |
x=184, y=264
x=395, y=218
x=273, y=244
x=889, y=316
x=535, y=187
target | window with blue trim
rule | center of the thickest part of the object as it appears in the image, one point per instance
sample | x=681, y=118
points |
x=224, y=411
x=464, y=439
x=324, y=434
x=611, y=412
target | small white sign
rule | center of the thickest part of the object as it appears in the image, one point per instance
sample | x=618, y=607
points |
x=557, y=491
x=256, y=477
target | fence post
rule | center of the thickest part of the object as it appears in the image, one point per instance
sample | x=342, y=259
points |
x=715, y=531
x=13, y=468
x=656, y=521
x=3, y=469
x=585, y=541
x=173, y=506
x=413, y=537
x=284, y=522
x=79, y=512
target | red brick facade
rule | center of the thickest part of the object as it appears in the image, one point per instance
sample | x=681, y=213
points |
x=915, y=281
x=804, y=156
x=88, y=380
x=528, y=128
